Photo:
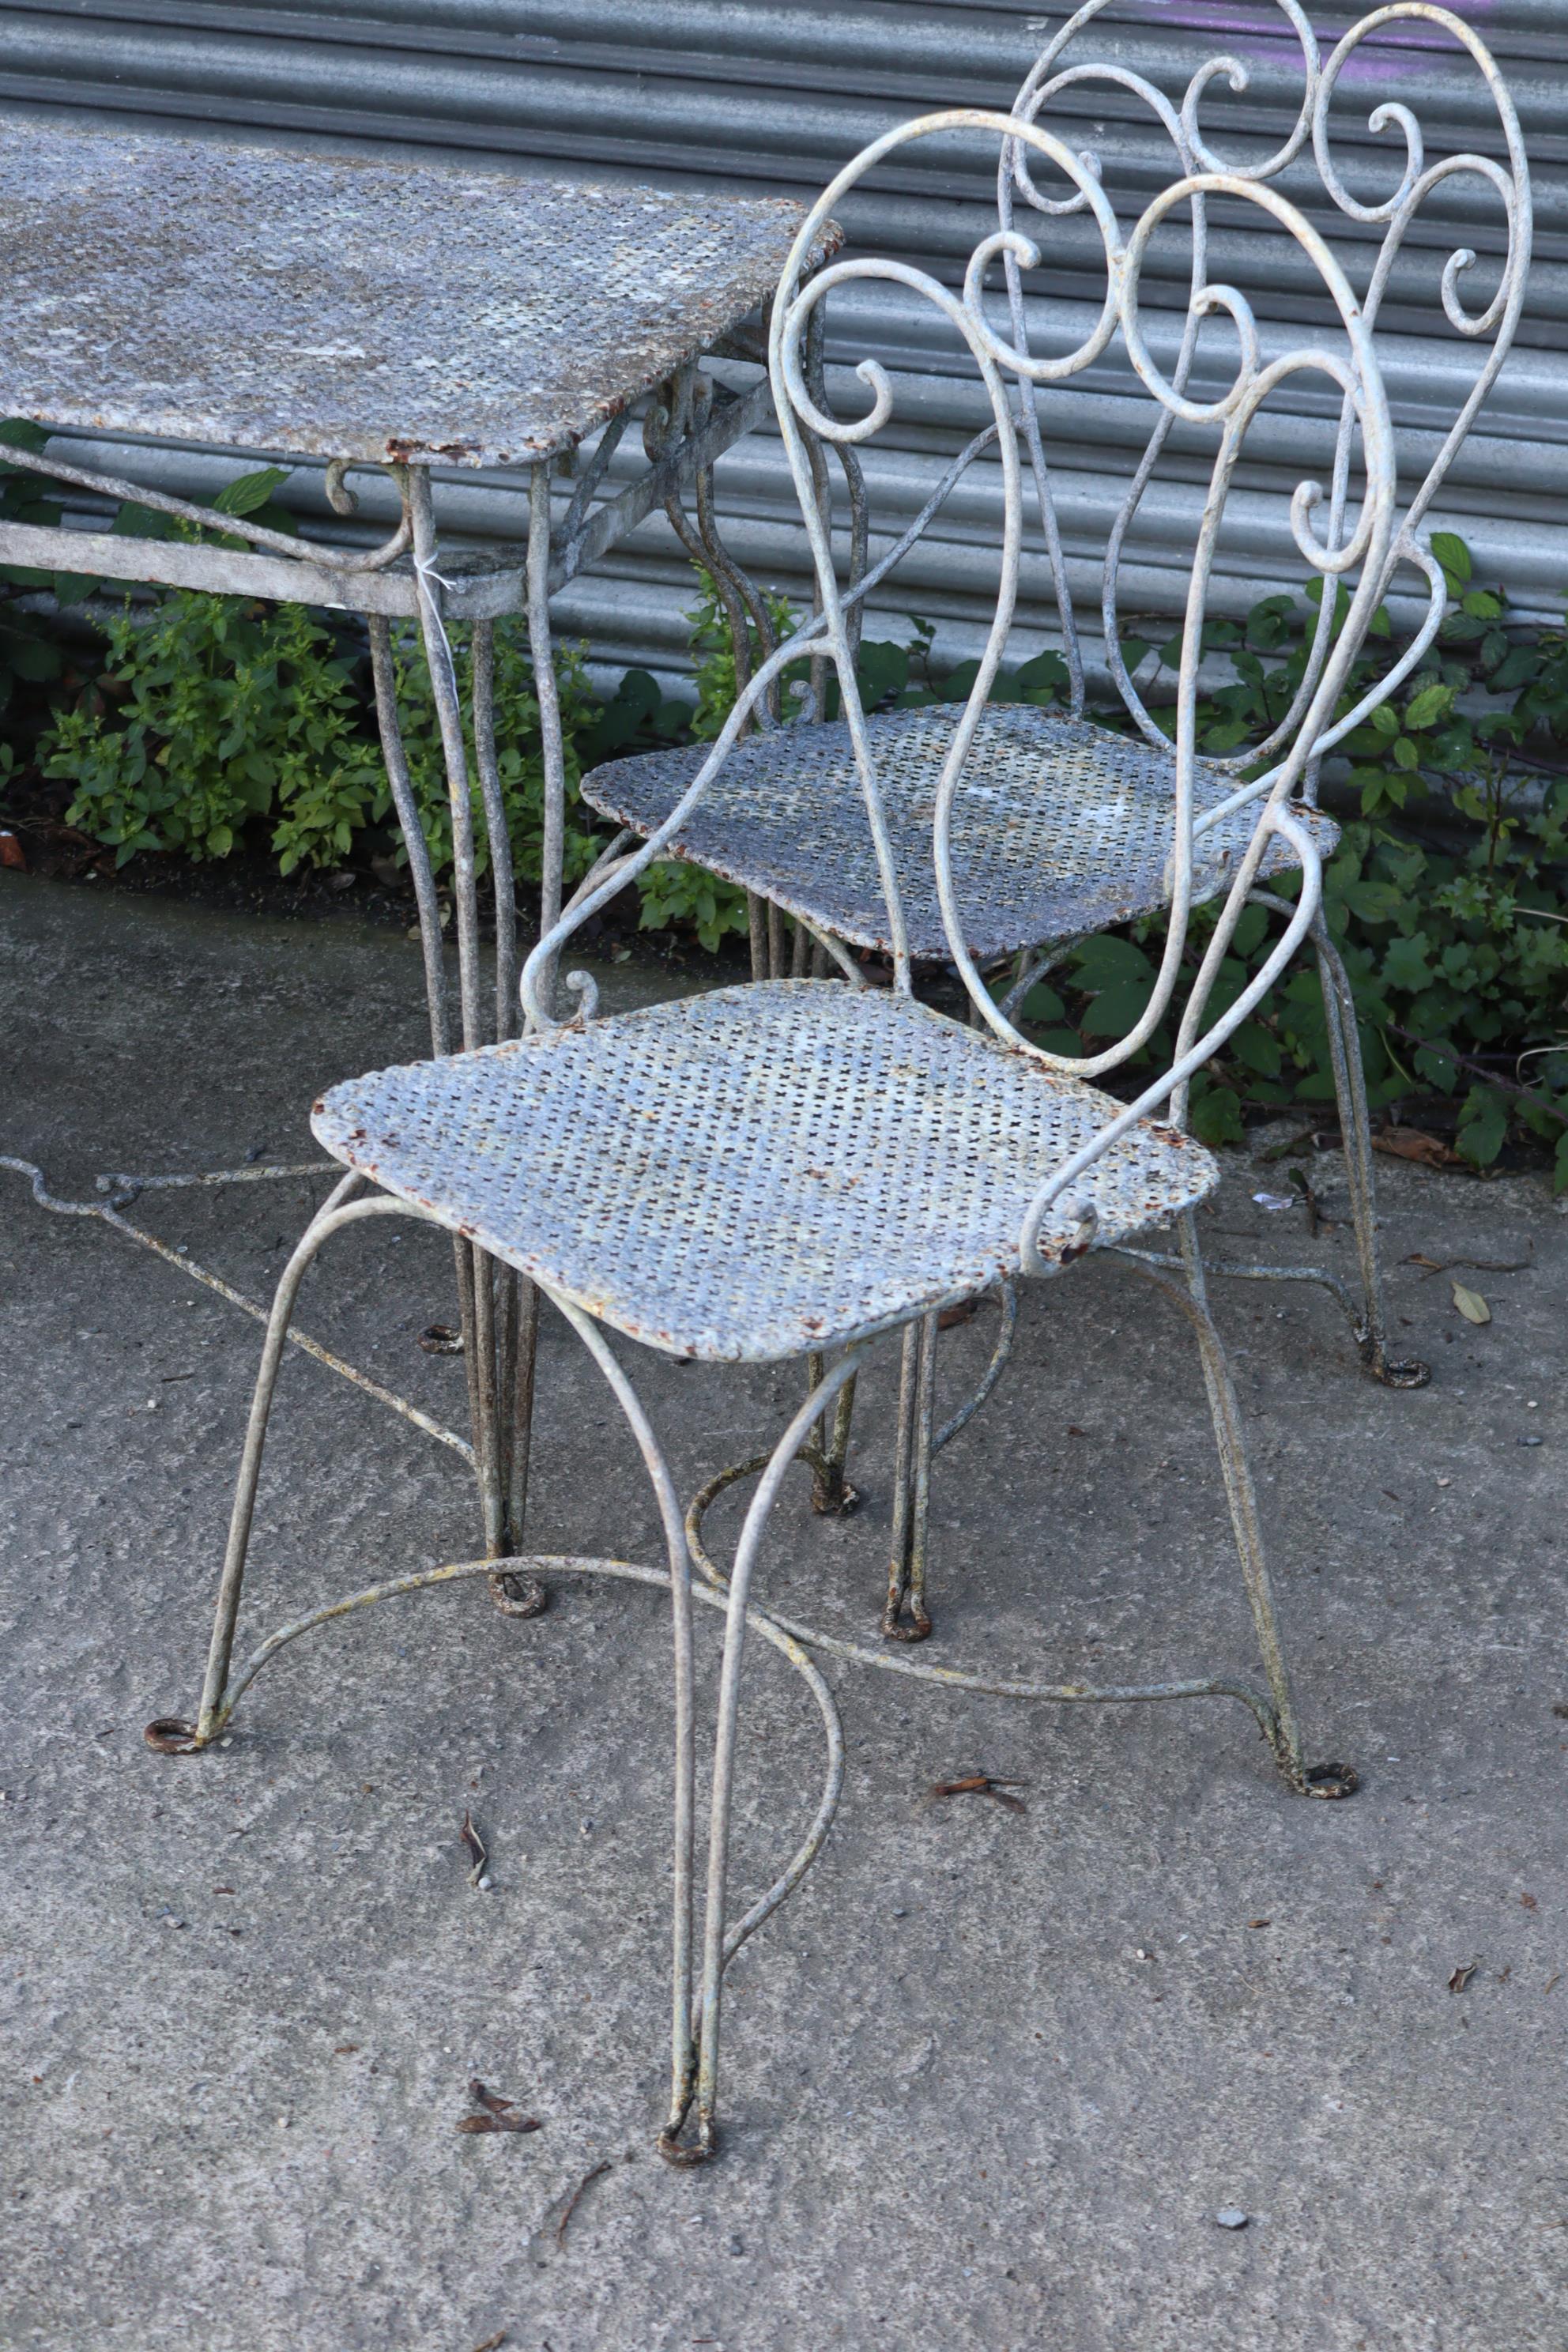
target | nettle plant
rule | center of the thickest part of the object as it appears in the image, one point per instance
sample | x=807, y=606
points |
x=1448, y=895
x=214, y=717
x=210, y=713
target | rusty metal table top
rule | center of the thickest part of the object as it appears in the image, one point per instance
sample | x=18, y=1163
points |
x=352, y=307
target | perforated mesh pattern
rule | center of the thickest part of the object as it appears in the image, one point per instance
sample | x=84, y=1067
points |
x=353, y=307
x=1060, y=826
x=755, y=1172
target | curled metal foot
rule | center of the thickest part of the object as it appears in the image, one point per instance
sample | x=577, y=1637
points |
x=814, y=1460
x=170, y=1735
x=897, y=1627
x=1397, y=1371
x=1328, y=1780
x=684, y=2155
x=832, y=1496
x=517, y=1596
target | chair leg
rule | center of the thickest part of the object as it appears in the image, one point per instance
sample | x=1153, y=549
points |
x=832, y=1496
x=514, y=1595
x=706, y=2013
x=1322, y=1780
x=912, y=1486
x=1350, y=1088
x=337, y=1211
x=683, y=2049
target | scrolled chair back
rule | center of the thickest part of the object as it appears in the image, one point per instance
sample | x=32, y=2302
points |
x=1353, y=548
x=1307, y=155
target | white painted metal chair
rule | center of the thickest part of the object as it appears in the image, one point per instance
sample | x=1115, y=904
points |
x=1072, y=829
x=798, y=1169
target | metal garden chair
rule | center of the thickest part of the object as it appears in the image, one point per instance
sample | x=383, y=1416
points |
x=798, y=1168
x=1073, y=831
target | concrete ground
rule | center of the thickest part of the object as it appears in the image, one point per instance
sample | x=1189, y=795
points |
x=990, y=2076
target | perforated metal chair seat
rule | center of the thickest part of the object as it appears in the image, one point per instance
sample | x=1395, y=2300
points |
x=760, y=1171
x=1060, y=826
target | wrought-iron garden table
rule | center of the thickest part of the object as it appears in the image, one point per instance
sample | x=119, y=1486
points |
x=383, y=318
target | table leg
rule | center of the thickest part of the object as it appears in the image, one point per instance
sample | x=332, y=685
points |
x=486, y=1291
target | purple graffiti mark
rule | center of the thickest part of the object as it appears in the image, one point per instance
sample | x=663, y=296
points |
x=1397, y=52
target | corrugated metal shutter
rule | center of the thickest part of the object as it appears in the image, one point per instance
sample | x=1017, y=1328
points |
x=775, y=97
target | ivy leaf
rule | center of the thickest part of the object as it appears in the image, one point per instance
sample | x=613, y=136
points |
x=251, y=492
x=1405, y=966
x=133, y=521
x=1438, y=1068
x=1042, y=1004
x=34, y=658
x=1374, y=902
x=1518, y=670
x=1106, y=959
x=1118, y=1009
x=1257, y=1048
x=881, y=668
x=1433, y=702
x=1483, y=1124
x=1250, y=932
x=1455, y=558
x=1045, y=670
x=1216, y=1116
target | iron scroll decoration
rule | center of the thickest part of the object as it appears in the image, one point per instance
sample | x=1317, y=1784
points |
x=1361, y=545
x=1499, y=318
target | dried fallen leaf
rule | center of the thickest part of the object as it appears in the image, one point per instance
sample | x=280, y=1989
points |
x=1414, y=1143
x=473, y=1845
x=1471, y=1305
x=1528, y=1901
x=344, y=2049
x=980, y=1784
x=1482, y=1265
x=571, y=2205
x=12, y=852
x=1552, y=1981
x=500, y=2115
x=492, y=2343
x=1260, y=1922
x=951, y=1317
x=440, y=1340
x=1461, y=1977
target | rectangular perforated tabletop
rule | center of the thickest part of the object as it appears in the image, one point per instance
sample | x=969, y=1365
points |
x=357, y=307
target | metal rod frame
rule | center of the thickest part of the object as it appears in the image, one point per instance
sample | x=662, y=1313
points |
x=1366, y=543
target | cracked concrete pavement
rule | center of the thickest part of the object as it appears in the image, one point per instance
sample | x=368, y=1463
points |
x=990, y=2076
